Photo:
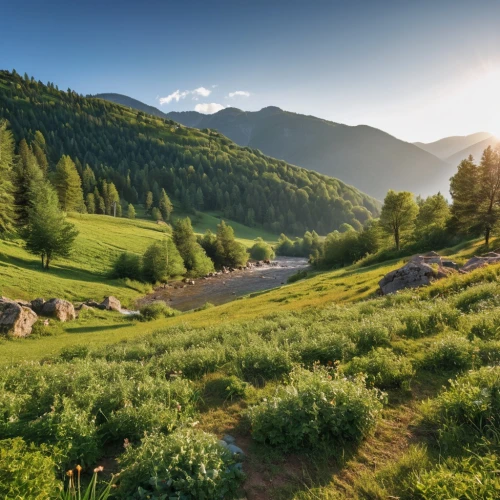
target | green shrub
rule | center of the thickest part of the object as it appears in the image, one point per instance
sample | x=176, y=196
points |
x=315, y=411
x=74, y=352
x=259, y=363
x=156, y=310
x=127, y=265
x=325, y=349
x=299, y=275
x=474, y=477
x=261, y=250
x=486, y=326
x=478, y=297
x=185, y=464
x=450, y=353
x=369, y=336
x=470, y=408
x=383, y=368
x=26, y=471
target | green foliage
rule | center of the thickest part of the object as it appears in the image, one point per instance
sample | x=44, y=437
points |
x=162, y=261
x=452, y=352
x=299, y=275
x=91, y=492
x=228, y=252
x=157, y=310
x=383, y=369
x=398, y=215
x=261, y=250
x=127, y=265
x=477, y=298
x=48, y=233
x=195, y=259
x=68, y=185
x=165, y=205
x=131, y=211
x=26, y=471
x=6, y=187
x=316, y=411
x=185, y=464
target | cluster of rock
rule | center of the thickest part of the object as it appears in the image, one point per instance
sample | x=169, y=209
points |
x=17, y=317
x=422, y=270
x=108, y=304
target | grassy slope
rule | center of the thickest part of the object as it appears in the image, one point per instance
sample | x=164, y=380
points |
x=339, y=286
x=84, y=276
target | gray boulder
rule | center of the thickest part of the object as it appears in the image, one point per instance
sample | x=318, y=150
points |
x=411, y=275
x=60, y=309
x=37, y=305
x=111, y=304
x=16, y=320
x=477, y=262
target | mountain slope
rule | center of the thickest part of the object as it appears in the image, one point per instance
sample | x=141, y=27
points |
x=129, y=102
x=476, y=150
x=363, y=156
x=202, y=171
x=449, y=146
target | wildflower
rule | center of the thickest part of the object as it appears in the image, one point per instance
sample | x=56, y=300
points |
x=179, y=407
x=78, y=468
x=126, y=443
x=99, y=469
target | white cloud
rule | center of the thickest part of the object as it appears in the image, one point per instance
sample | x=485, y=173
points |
x=178, y=95
x=238, y=93
x=214, y=86
x=208, y=108
x=201, y=91
x=174, y=96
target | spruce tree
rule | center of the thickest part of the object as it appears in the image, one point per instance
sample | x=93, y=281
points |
x=68, y=185
x=149, y=202
x=47, y=232
x=165, y=205
x=7, y=156
x=131, y=211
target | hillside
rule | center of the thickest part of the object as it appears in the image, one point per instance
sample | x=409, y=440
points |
x=363, y=156
x=446, y=148
x=201, y=170
x=131, y=103
x=476, y=150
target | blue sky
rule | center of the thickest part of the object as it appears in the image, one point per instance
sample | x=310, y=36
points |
x=416, y=69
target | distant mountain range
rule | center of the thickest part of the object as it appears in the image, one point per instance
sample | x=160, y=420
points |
x=454, y=149
x=365, y=157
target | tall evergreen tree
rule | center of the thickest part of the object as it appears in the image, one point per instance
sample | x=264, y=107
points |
x=7, y=156
x=47, y=233
x=68, y=185
x=165, y=205
x=148, y=204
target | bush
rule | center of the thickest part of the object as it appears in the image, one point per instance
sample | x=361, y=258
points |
x=369, y=336
x=383, y=369
x=315, y=411
x=471, y=477
x=261, y=250
x=156, y=310
x=299, y=275
x=26, y=472
x=326, y=349
x=185, y=464
x=128, y=265
x=450, y=353
x=486, y=326
x=470, y=407
x=478, y=297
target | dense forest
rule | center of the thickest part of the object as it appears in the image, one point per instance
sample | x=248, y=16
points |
x=200, y=170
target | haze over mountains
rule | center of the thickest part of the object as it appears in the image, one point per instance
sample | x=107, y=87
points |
x=366, y=157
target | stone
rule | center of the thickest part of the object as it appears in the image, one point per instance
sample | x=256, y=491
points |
x=16, y=320
x=411, y=275
x=229, y=439
x=222, y=443
x=477, y=262
x=93, y=303
x=23, y=303
x=60, y=309
x=235, y=449
x=37, y=305
x=111, y=304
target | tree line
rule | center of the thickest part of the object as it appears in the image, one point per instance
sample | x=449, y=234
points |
x=142, y=156
x=414, y=224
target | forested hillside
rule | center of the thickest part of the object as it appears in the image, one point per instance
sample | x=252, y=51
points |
x=202, y=170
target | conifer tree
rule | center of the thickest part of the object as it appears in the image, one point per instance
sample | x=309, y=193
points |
x=228, y=252
x=7, y=156
x=131, y=211
x=162, y=261
x=68, y=185
x=165, y=205
x=149, y=202
x=47, y=233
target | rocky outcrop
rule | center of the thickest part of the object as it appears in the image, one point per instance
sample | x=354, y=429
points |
x=60, y=309
x=16, y=320
x=411, y=275
x=111, y=304
x=37, y=305
x=477, y=262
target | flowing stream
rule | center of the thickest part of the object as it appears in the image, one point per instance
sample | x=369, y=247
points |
x=226, y=287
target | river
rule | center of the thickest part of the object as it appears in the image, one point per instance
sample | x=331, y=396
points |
x=226, y=287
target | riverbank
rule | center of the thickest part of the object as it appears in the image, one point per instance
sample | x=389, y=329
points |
x=223, y=288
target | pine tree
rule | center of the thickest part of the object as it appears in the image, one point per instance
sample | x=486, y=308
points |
x=68, y=185
x=38, y=147
x=90, y=202
x=47, y=233
x=7, y=156
x=26, y=175
x=165, y=205
x=149, y=202
x=131, y=211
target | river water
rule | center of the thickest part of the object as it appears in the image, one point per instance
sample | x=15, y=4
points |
x=226, y=287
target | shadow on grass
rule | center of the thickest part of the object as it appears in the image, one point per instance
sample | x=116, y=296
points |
x=91, y=329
